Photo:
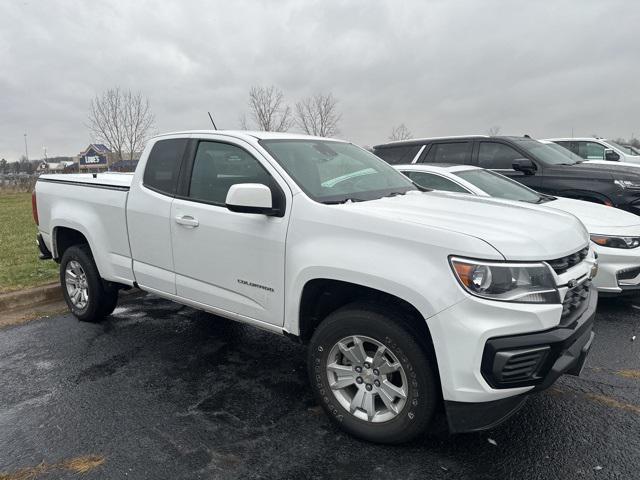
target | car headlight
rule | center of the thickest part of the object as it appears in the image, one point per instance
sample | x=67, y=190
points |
x=507, y=282
x=615, y=241
x=630, y=184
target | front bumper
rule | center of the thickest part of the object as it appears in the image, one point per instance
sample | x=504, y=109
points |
x=540, y=358
x=618, y=271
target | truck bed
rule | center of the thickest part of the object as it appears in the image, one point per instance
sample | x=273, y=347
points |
x=94, y=205
x=116, y=180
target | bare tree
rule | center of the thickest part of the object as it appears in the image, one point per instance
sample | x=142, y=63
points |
x=244, y=125
x=24, y=165
x=318, y=115
x=138, y=122
x=122, y=120
x=3, y=165
x=493, y=131
x=401, y=132
x=268, y=110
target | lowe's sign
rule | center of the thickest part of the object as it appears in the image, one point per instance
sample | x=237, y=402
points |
x=93, y=159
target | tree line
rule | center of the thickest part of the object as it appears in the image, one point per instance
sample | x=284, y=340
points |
x=123, y=120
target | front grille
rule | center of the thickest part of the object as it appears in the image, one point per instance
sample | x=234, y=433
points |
x=561, y=265
x=518, y=365
x=575, y=302
x=628, y=274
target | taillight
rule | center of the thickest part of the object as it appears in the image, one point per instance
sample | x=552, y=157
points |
x=34, y=207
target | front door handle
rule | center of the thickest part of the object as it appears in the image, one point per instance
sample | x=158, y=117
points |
x=187, y=221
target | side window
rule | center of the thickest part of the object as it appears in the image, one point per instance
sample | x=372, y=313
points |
x=217, y=166
x=398, y=155
x=572, y=146
x=591, y=150
x=458, y=152
x=163, y=165
x=497, y=155
x=434, y=182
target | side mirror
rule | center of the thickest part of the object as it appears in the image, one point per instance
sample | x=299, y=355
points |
x=611, y=155
x=524, y=165
x=250, y=198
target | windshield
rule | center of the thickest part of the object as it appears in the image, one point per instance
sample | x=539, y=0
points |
x=336, y=172
x=626, y=149
x=545, y=153
x=499, y=186
x=565, y=151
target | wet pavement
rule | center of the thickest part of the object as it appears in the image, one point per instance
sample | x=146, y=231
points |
x=160, y=391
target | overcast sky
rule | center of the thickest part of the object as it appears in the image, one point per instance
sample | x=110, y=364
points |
x=442, y=68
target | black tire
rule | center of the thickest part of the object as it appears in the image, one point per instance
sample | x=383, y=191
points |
x=388, y=327
x=101, y=300
x=110, y=300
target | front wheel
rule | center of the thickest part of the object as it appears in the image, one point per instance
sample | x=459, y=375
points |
x=371, y=376
x=84, y=291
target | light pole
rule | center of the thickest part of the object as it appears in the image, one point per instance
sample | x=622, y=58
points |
x=26, y=150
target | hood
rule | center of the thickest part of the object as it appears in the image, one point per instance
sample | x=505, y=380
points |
x=519, y=231
x=613, y=170
x=599, y=218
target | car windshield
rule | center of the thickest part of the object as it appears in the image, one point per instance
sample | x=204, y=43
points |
x=565, y=151
x=626, y=149
x=545, y=153
x=337, y=172
x=499, y=186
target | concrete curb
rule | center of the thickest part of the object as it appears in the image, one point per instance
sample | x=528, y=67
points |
x=32, y=296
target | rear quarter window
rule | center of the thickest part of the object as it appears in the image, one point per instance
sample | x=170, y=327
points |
x=454, y=152
x=398, y=155
x=163, y=165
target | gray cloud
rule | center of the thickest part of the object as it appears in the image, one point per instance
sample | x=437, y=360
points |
x=442, y=68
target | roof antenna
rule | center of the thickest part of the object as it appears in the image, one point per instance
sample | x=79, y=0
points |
x=214, y=123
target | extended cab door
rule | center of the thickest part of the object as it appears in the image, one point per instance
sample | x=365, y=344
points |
x=499, y=156
x=148, y=215
x=229, y=261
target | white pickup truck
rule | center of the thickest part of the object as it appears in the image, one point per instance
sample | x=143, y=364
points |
x=406, y=298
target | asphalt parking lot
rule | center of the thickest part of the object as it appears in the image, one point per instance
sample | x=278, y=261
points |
x=161, y=391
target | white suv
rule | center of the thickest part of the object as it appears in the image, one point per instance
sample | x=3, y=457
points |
x=593, y=148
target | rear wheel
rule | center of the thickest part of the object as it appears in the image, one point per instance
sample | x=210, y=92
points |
x=88, y=298
x=371, y=376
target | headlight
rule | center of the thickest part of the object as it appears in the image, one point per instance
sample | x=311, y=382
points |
x=615, y=242
x=628, y=184
x=507, y=282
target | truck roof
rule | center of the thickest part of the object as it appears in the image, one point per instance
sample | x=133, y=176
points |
x=250, y=135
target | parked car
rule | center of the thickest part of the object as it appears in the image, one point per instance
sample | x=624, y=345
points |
x=579, y=159
x=614, y=232
x=594, y=148
x=529, y=162
x=404, y=297
x=633, y=150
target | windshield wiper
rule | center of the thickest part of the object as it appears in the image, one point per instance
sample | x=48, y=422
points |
x=395, y=194
x=421, y=188
x=545, y=198
x=345, y=200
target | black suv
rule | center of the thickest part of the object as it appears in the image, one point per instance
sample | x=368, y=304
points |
x=528, y=161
